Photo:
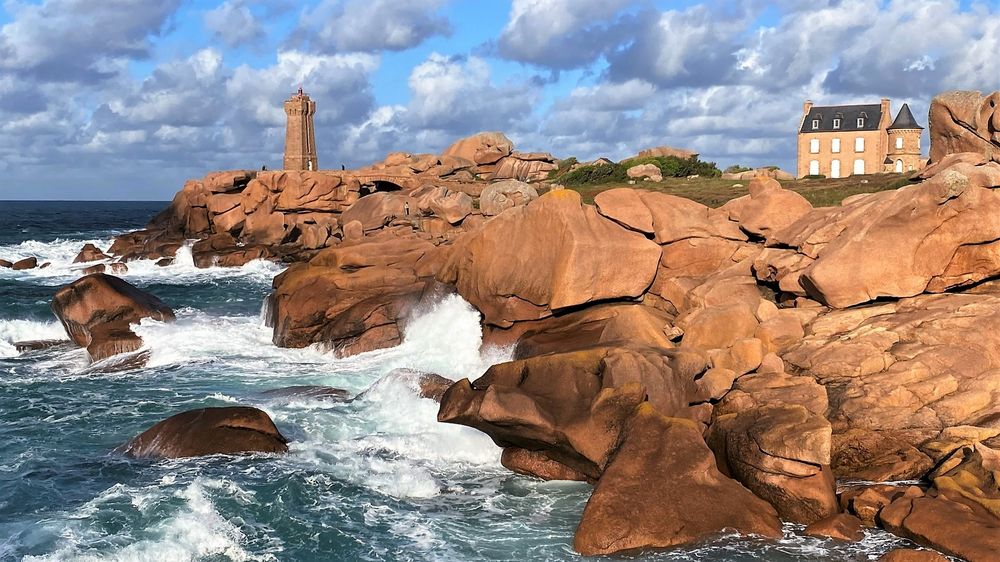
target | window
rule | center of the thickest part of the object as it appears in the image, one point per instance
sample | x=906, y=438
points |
x=861, y=122
x=899, y=142
x=835, y=145
x=815, y=123
x=918, y=143
x=859, y=144
x=835, y=169
x=859, y=167
x=899, y=166
x=814, y=168
x=836, y=123
x=814, y=146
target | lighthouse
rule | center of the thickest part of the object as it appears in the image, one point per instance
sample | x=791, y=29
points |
x=300, y=134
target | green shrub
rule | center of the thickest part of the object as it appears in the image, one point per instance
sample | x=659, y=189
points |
x=674, y=167
x=736, y=169
x=563, y=167
x=815, y=177
x=595, y=174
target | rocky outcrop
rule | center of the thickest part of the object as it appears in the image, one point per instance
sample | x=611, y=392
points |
x=657, y=151
x=26, y=263
x=648, y=172
x=209, y=431
x=662, y=489
x=97, y=311
x=840, y=526
x=572, y=405
x=534, y=260
x=911, y=555
x=89, y=253
x=500, y=196
x=355, y=297
x=769, y=172
x=782, y=454
x=965, y=122
x=537, y=464
x=941, y=232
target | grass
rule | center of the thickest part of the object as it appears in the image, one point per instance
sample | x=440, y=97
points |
x=714, y=192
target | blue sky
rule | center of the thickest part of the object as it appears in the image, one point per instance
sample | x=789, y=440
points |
x=125, y=99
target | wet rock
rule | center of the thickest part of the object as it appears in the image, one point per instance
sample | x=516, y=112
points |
x=99, y=268
x=164, y=262
x=98, y=309
x=37, y=345
x=663, y=489
x=90, y=252
x=6, y=263
x=840, y=526
x=537, y=464
x=866, y=502
x=26, y=263
x=118, y=268
x=309, y=392
x=958, y=528
x=209, y=431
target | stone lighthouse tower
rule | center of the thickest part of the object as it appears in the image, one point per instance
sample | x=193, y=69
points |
x=300, y=136
x=904, y=143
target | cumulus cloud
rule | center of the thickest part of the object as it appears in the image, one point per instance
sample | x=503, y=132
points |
x=234, y=24
x=372, y=25
x=79, y=40
x=563, y=34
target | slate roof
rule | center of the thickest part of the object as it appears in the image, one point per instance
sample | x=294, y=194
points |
x=904, y=119
x=849, y=118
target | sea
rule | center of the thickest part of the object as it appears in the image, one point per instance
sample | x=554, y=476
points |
x=374, y=478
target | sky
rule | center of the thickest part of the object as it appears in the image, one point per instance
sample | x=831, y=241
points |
x=125, y=99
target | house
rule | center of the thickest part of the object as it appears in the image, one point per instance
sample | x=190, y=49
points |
x=843, y=140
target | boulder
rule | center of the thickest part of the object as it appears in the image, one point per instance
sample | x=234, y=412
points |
x=965, y=121
x=544, y=257
x=840, y=526
x=663, y=489
x=352, y=298
x=97, y=311
x=481, y=148
x=958, y=528
x=524, y=166
x=380, y=209
x=209, y=431
x=26, y=263
x=572, y=405
x=657, y=151
x=99, y=268
x=307, y=392
x=500, y=196
x=7, y=264
x=941, y=232
x=771, y=208
x=667, y=217
x=649, y=172
x=451, y=206
x=911, y=555
x=90, y=252
x=867, y=501
x=782, y=454
x=537, y=464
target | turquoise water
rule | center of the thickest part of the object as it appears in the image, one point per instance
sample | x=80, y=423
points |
x=374, y=479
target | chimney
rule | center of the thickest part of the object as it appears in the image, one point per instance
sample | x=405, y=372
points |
x=886, y=108
x=806, y=107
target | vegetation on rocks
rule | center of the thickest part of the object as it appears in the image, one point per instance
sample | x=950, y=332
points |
x=598, y=174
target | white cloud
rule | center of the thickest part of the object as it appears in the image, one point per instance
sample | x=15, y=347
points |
x=234, y=24
x=372, y=25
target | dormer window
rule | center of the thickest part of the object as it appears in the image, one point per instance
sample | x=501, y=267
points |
x=815, y=124
x=836, y=123
x=861, y=122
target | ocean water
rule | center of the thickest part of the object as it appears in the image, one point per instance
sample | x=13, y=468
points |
x=373, y=479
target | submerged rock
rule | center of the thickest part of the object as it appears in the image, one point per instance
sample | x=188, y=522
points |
x=97, y=311
x=311, y=392
x=209, y=431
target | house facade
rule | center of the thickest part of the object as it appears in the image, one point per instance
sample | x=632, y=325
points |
x=846, y=140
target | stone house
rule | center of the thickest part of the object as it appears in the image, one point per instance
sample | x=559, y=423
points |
x=844, y=140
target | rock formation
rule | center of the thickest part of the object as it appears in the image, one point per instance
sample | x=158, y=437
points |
x=706, y=369
x=97, y=311
x=209, y=431
x=965, y=122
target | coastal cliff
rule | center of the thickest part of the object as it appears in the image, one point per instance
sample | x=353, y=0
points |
x=705, y=369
